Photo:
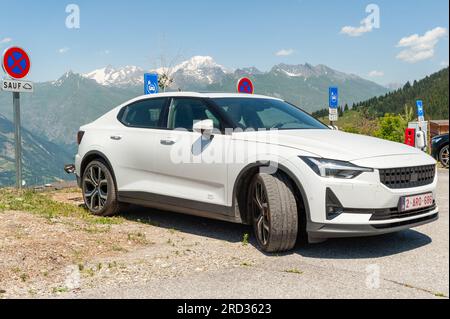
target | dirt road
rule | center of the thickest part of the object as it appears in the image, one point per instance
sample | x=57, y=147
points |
x=151, y=254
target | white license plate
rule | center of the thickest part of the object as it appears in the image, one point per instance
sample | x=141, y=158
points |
x=408, y=203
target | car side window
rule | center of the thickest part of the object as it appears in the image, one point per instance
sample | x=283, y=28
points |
x=147, y=113
x=184, y=112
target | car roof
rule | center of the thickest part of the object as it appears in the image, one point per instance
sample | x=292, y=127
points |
x=203, y=95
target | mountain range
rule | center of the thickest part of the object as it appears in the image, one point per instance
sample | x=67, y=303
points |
x=56, y=109
x=42, y=160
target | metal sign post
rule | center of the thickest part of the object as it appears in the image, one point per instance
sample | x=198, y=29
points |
x=18, y=139
x=16, y=64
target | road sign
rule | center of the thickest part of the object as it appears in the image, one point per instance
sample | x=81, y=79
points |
x=333, y=97
x=16, y=63
x=245, y=85
x=17, y=86
x=333, y=117
x=151, y=83
x=420, y=111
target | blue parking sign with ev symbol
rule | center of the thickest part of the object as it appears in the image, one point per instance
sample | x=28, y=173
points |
x=334, y=97
x=420, y=111
x=151, y=83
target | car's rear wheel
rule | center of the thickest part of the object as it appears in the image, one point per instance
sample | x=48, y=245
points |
x=443, y=156
x=99, y=190
x=272, y=205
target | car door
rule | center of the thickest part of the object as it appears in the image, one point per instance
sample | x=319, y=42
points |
x=134, y=143
x=187, y=165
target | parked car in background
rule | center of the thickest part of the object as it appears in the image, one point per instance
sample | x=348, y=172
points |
x=439, y=149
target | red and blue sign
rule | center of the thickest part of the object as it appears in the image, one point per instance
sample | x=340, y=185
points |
x=245, y=85
x=16, y=63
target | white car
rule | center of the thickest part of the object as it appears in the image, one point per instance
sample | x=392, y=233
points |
x=256, y=160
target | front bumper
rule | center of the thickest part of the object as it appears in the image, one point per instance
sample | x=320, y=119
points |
x=369, y=206
x=335, y=230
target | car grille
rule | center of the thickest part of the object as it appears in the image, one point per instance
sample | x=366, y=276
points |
x=408, y=177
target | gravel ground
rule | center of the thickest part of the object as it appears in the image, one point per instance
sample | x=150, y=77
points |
x=156, y=254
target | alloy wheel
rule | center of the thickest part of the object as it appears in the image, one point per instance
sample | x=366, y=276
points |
x=95, y=188
x=261, y=213
x=444, y=156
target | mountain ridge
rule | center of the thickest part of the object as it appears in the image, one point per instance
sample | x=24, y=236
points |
x=205, y=70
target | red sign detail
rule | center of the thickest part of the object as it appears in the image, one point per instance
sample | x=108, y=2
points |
x=16, y=63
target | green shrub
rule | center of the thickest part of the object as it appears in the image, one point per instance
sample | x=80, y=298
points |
x=391, y=127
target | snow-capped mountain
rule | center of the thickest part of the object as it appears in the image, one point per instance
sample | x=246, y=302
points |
x=307, y=71
x=201, y=70
x=109, y=76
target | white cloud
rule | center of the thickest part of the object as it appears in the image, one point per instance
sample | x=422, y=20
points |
x=285, y=52
x=5, y=40
x=63, y=50
x=366, y=25
x=444, y=63
x=356, y=31
x=376, y=74
x=419, y=48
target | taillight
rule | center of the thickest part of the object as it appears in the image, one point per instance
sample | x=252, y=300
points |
x=80, y=137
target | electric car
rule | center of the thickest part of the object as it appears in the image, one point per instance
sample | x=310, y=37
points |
x=255, y=160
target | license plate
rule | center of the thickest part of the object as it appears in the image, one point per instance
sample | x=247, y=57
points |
x=408, y=203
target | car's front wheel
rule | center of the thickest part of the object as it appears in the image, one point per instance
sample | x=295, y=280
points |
x=99, y=190
x=443, y=156
x=273, y=208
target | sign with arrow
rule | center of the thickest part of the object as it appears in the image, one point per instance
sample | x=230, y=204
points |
x=17, y=86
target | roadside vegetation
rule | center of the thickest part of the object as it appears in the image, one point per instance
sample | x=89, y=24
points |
x=387, y=116
x=43, y=205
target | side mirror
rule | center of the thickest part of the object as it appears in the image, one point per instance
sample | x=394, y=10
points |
x=204, y=127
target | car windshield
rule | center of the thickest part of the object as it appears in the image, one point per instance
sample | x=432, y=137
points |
x=260, y=113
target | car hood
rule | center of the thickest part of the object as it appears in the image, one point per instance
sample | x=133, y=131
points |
x=331, y=144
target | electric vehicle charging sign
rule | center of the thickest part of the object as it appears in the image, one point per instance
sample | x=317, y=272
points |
x=151, y=83
x=16, y=63
x=334, y=98
x=420, y=110
x=245, y=85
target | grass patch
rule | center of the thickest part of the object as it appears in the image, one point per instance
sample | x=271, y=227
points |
x=138, y=238
x=246, y=264
x=57, y=290
x=245, y=239
x=42, y=205
x=440, y=295
x=294, y=271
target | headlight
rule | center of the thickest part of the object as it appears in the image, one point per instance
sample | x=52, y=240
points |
x=334, y=169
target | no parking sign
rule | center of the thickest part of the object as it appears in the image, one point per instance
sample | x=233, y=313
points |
x=16, y=63
x=245, y=85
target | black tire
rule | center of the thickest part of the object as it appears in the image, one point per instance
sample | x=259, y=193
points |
x=99, y=189
x=277, y=230
x=443, y=156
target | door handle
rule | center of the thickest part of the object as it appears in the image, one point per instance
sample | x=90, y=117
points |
x=167, y=142
x=116, y=137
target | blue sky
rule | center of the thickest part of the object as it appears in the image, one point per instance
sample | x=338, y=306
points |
x=234, y=33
